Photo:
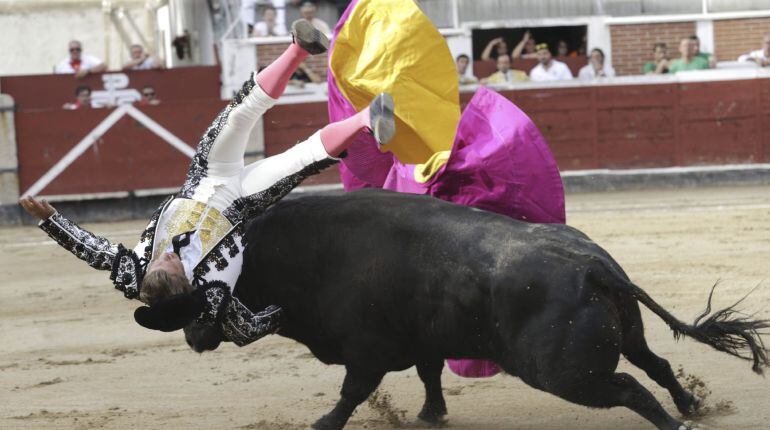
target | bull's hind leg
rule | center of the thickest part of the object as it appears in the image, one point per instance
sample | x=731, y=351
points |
x=620, y=389
x=356, y=388
x=658, y=369
x=434, y=409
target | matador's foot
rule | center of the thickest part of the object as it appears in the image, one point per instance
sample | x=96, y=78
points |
x=308, y=37
x=383, y=123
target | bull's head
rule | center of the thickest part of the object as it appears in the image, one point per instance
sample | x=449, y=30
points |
x=177, y=312
x=203, y=337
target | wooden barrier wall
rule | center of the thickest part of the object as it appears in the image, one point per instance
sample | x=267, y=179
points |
x=587, y=127
x=617, y=126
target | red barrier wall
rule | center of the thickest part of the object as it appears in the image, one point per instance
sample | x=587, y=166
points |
x=52, y=91
x=127, y=157
x=617, y=126
x=587, y=127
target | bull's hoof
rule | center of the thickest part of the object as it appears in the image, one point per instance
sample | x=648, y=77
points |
x=434, y=416
x=689, y=425
x=328, y=422
x=692, y=404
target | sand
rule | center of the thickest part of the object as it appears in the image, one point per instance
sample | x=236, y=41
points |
x=73, y=358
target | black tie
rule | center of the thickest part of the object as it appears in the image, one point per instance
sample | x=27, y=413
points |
x=181, y=240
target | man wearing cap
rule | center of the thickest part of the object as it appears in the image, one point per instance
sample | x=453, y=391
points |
x=548, y=69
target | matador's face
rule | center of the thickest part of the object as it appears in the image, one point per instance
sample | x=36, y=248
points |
x=168, y=262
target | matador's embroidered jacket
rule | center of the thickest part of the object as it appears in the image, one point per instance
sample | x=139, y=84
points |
x=220, y=237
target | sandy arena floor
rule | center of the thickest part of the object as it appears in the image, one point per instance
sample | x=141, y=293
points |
x=73, y=358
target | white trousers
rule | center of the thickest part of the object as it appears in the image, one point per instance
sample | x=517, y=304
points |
x=228, y=178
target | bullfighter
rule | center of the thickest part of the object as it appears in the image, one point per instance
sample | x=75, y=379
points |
x=194, y=241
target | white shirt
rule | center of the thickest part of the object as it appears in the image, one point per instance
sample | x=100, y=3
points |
x=588, y=72
x=260, y=29
x=249, y=13
x=147, y=64
x=557, y=72
x=86, y=62
x=757, y=56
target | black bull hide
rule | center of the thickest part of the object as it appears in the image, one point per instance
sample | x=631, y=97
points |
x=379, y=281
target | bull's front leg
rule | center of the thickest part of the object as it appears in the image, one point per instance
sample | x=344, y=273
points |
x=356, y=388
x=434, y=409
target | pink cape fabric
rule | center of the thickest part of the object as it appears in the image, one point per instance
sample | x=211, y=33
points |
x=499, y=162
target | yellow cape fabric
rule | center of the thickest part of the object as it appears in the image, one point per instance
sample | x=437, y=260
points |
x=391, y=46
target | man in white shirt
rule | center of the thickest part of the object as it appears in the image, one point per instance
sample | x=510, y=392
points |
x=549, y=69
x=596, y=67
x=760, y=56
x=141, y=60
x=249, y=10
x=78, y=63
x=269, y=26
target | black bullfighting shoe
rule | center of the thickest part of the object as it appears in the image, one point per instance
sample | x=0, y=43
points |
x=381, y=118
x=308, y=37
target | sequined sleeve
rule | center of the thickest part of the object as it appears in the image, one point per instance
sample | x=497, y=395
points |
x=243, y=327
x=95, y=250
x=239, y=324
x=98, y=252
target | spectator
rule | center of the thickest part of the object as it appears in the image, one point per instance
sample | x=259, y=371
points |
x=269, y=26
x=304, y=75
x=499, y=46
x=562, y=49
x=251, y=8
x=82, y=98
x=688, y=61
x=141, y=60
x=149, y=96
x=596, y=67
x=308, y=11
x=78, y=63
x=659, y=65
x=760, y=56
x=548, y=69
x=710, y=59
x=504, y=73
x=526, y=48
x=462, y=61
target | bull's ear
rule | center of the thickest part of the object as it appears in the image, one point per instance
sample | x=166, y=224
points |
x=170, y=314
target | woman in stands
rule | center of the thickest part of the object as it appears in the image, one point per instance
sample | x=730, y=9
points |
x=195, y=239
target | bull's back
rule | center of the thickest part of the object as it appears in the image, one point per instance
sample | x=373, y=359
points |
x=390, y=268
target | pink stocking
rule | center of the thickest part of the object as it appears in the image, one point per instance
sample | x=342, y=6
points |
x=337, y=136
x=274, y=78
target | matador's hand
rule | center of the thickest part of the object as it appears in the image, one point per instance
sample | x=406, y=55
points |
x=38, y=209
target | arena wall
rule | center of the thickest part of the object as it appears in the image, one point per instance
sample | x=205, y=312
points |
x=36, y=33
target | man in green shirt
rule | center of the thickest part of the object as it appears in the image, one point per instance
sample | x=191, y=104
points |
x=660, y=63
x=710, y=58
x=688, y=60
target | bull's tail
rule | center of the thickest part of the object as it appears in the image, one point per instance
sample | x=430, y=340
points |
x=727, y=330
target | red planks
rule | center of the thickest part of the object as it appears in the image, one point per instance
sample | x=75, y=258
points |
x=128, y=157
x=52, y=91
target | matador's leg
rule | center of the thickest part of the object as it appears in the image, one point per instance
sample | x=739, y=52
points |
x=226, y=155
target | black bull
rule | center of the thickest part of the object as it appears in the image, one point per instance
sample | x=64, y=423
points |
x=380, y=282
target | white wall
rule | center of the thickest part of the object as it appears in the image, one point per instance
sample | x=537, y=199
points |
x=35, y=34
